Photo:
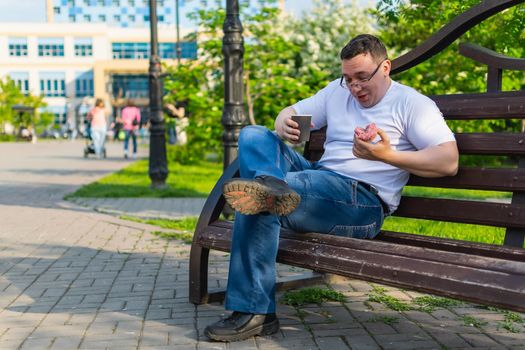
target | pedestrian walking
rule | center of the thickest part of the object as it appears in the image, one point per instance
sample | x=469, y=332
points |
x=130, y=118
x=98, y=117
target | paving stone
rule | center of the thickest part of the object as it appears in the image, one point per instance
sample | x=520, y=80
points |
x=479, y=340
x=72, y=278
x=362, y=342
x=331, y=343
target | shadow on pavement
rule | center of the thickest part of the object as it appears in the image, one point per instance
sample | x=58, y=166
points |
x=96, y=288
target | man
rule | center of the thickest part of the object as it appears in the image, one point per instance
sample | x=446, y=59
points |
x=347, y=193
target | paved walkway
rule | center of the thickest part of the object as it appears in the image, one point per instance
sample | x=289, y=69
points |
x=74, y=278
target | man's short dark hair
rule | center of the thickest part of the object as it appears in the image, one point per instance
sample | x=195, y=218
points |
x=364, y=44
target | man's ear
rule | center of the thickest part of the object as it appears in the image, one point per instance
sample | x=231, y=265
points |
x=386, y=67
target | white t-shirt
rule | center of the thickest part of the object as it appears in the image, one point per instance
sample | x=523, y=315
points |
x=410, y=119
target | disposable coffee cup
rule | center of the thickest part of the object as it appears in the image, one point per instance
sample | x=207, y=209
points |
x=304, y=122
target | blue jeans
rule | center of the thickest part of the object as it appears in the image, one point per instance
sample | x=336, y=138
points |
x=130, y=133
x=330, y=204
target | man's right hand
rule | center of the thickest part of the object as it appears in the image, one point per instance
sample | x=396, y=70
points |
x=285, y=127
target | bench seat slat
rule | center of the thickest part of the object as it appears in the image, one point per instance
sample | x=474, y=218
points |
x=438, y=243
x=446, y=273
x=501, y=105
x=453, y=245
x=510, y=179
x=516, y=266
x=464, y=211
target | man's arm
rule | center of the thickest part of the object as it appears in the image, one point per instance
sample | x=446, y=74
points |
x=434, y=161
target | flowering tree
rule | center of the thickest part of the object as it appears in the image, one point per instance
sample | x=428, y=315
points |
x=285, y=60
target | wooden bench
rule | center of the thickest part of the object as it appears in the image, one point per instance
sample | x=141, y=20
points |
x=482, y=273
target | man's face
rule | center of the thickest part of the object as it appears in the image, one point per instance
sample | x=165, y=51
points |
x=365, y=83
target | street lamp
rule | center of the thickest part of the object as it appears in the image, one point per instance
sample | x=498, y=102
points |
x=158, y=167
x=233, y=118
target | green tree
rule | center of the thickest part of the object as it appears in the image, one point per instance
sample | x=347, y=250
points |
x=284, y=61
x=406, y=24
x=10, y=95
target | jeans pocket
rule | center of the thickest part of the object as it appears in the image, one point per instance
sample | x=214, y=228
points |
x=362, y=232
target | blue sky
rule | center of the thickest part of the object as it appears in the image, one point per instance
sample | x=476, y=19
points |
x=34, y=10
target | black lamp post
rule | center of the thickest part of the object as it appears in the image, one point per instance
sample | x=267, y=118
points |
x=233, y=118
x=158, y=167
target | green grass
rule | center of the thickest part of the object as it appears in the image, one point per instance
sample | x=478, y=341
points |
x=312, y=295
x=389, y=320
x=429, y=303
x=133, y=181
x=466, y=232
x=185, y=237
x=378, y=296
x=472, y=321
x=185, y=227
x=198, y=180
x=415, y=191
x=187, y=224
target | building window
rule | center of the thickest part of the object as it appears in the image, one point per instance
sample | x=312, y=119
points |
x=21, y=80
x=84, y=84
x=72, y=18
x=17, y=47
x=101, y=2
x=87, y=18
x=130, y=86
x=189, y=50
x=51, y=47
x=116, y=18
x=131, y=3
x=102, y=18
x=53, y=84
x=161, y=18
x=130, y=50
x=56, y=10
x=87, y=3
x=169, y=50
x=146, y=18
x=161, y=3
x=116, y=3
x=83, y=47
x=131, y=18
x=71, y=3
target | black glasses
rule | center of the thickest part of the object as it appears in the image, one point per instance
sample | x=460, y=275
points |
x=360, y=83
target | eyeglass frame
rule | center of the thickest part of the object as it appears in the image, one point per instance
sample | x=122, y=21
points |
x=361, y=82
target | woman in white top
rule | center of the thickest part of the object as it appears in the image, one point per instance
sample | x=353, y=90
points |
x=98, y=126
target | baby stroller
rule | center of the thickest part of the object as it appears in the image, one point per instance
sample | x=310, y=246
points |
x=90, y=147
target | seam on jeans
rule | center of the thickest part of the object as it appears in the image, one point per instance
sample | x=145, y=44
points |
x=288, y=159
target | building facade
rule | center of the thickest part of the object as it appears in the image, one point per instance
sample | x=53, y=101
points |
x=71, y=61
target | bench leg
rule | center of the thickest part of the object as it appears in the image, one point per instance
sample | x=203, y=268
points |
x=199, y=274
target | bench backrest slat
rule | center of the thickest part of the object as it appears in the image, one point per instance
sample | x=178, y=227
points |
x=509, y=180
x=468, y=143
x=465, y=211
x=502, y=105
x=491, y=143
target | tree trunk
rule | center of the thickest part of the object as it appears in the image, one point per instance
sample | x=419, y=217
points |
x=249, y=100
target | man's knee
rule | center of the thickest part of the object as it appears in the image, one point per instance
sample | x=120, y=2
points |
x=253, y=135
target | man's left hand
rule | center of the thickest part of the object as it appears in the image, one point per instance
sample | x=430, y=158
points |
x=372, y=151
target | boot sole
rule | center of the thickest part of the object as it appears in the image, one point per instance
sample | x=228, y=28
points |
x=265, y=329
x=249, y=198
